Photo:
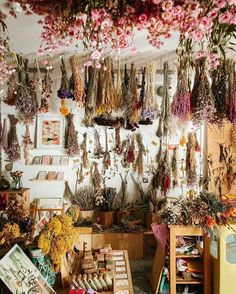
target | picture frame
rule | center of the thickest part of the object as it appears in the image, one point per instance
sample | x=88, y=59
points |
x=46, y=159
x=50, y=132
x=60, y=176
x=42, y=175
x=64, y=160
x=20, y=275
x=52, y=175
x=36, y=160
x=56, y=160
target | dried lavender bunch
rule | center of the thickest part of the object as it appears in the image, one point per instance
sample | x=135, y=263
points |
x=191, y=173
x=202, y=99
x=72, y=137
x=11, y=96
x=84, y=197
x=13, y=150
x=109, y=195
x=46, y=93
x=180, y=106
x=219, y=88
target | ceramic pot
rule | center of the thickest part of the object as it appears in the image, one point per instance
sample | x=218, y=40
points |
x=106, y=218
x=83, y=214
x=4, y=184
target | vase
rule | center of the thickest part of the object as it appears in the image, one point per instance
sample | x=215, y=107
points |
x=16, y=183
x=86, y=214
x=43, y=265
x=106, y=218
x=4, y=184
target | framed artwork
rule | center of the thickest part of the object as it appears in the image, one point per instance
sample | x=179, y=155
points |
x=40, y=225
x=50, y=132
x=42, y=175
x=65, y=160
x=56, y=160
x=46, y=159
x=52, y=175
x=20, y=275
x=60, y=175
x=37, y=160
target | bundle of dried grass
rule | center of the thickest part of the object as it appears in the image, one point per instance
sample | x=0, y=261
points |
x=78, y=82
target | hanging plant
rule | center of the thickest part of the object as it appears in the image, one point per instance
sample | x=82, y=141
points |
x=91, y=94
x=202, y=99
x=219, y=85
x=78, y=89
x=109, y=96
x=98, y=150
x=72, y=137
x=118, y=89
x=106, y=156
x=138, y=165
x=13, y=150
x=150, y=109
x=180, y=106
x=26, y=96
x=100, y=107
x=166, y=180
x=135, y=103
x=83, y=146
x=28, y=145
x=46, y=93
x=231, y=95
x=174, y=168
x=12, y=90
x=118, y=146
x=96, y=178
x=191, y=165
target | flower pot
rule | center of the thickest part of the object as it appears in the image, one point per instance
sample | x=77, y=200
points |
x=86, y=214
x=106, y=218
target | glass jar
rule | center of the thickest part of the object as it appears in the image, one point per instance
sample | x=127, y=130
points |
x=16, y=183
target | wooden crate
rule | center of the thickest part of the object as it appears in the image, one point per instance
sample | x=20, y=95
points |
x=149, y=245
x=133, y=243
x=24, y=192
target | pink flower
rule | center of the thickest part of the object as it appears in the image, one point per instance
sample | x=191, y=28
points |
x=166, y=16
x=142, y=18
x=95, y=15
x=225, y=17
x=221, y=3
x=198, y=35
x=213, y=13
x=231, y=2
x=156, y=1
x=200, y=54
x=206, y=22
x=167, y=5
x=88, y=63
x=96, y=55
x=44, y=62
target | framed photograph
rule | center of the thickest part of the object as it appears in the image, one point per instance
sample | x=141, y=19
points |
x=52, y=175
x=42, y=175
x=37, y=160
x=20, y=275
x=40, y=225
x=46, y=159
x=64, y=160
x=50, y=132
x=56, y=160
x=60, y=175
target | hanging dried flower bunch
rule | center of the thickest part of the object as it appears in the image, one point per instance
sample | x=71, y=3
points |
x=98, y=150
x=166, y=181
x=106, y=156
x=118, y=90
x=46, y=93
x=64, y=92
x=109, y=96
x=138, y=165
x=91, y=78
x=3, y=134
x=180, y=106
x=219, y=86
x=174, y=168
x=136, y=105
x=202, y=99
x=100, y=107
x=191, y=165
x=231, y=97
x=123, y=193
x=72, y=137
x=12, y=90
x=28, y=145
x=83, y=146
x=78, y=82
x=96, y=178
x=13, y=150
x=150, y=109
x=26, y=96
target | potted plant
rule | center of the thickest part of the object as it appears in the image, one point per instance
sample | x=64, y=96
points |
x=84, y=197
x=105, y=200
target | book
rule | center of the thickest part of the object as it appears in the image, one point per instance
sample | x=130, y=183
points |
x=56, y=160
x=42, y=175
x=46, y=159
x=60, y=176
x=52, y=175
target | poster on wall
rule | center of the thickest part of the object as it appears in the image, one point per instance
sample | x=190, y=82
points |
x=50, y=132
x=20, y=275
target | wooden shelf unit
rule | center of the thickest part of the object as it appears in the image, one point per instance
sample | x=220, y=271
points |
x=175, y=231
x=24, y=192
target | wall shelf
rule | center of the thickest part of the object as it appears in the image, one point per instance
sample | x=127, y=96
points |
x=37, y=180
